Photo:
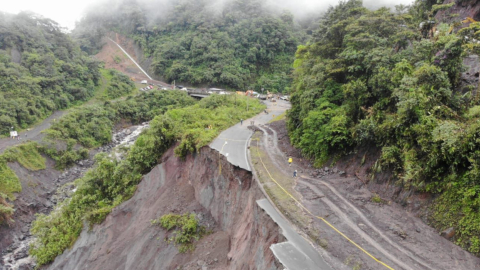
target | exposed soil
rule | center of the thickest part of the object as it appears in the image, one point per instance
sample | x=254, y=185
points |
x=222, y=196
x=41, y=191
x=390, y=231
x=114, y=58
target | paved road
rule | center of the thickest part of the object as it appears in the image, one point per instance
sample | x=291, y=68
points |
x=233, y=142
x=296, y=253
x=33, y=133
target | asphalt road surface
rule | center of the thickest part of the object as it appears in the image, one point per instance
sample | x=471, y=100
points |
x=33, y=134
x=296, y=253
x=233, y=142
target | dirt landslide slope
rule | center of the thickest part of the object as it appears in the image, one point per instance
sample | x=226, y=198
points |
x=222, y=196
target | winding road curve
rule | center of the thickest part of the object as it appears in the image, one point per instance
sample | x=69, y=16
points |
x=33, y=134
x=232, y=144
x=296, y=252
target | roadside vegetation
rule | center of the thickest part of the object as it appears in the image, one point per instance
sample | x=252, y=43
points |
x=41, y=71
x=372, y=78
x=112, y=181
x=70, y=138
x=248, y=47
x=115, y=85
x=92, y=126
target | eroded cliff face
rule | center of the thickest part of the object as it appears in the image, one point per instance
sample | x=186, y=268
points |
x=461, y=10
x=223, y=198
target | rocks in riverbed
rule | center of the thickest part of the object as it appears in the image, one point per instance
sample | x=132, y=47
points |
x=22, y=253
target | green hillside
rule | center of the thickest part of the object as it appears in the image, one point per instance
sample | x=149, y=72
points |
x=373, y=78
x=240, y=45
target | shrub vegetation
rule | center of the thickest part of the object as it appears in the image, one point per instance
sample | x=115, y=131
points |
x=111, y=182
x=185, y=230
x=28, y=156
x=239, y=44
x=371, y=78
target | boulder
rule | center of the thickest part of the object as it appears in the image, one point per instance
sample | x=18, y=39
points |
x=448, y=233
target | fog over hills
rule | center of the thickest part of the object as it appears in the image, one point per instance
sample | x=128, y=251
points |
x=66, y=13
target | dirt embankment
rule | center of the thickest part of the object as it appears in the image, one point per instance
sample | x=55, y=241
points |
x=222, y=196
x=114, y=58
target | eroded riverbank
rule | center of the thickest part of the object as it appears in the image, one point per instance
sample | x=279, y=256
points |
x=42, y=191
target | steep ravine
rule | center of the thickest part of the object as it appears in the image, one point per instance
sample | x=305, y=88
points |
x=41, y=190
x=221, y=195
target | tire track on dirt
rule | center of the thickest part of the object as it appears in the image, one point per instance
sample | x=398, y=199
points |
x=344, y=216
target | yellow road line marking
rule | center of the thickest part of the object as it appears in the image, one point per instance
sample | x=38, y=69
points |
x=321, y=218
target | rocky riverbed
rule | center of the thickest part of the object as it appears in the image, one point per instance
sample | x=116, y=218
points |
x=47, y=194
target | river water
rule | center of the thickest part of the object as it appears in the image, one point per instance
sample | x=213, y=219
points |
x=16, y=256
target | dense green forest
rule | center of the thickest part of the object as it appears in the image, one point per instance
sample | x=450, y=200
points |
x=240, y=45
x=92, y=126
x=363, y=79
x=112, y=181
x=85, y=127
x=41, y=70
x=373, y=78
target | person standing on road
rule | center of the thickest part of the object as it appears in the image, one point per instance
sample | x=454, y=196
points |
x=241, y=121
x=295, y=174
x=290, y=161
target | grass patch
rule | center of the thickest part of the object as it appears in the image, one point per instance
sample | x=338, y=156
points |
x=27, y=155
x=279, y=117
x=184, y=230
x=9, y=182
x=101, y=89
x=376, y=199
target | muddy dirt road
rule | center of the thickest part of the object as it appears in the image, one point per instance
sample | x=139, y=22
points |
x=33, y=134
x=381, y=235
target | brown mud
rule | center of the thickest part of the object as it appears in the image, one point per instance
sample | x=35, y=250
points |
x=114, y=58
x=377, y=214
x=221, y=195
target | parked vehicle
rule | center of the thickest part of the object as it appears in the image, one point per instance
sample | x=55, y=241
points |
x=144, y=82
x=286, y=98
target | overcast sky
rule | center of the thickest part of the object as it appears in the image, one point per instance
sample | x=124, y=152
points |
x=67, y=12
